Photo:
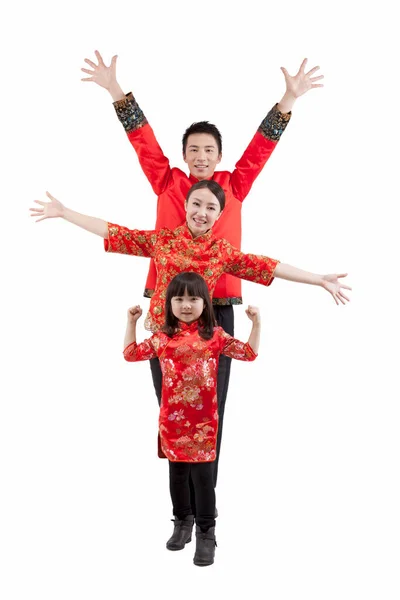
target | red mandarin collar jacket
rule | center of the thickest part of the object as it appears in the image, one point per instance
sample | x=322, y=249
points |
x=171, y=185
x=177, y=251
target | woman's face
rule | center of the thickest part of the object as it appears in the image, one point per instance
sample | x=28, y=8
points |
x=187, y=308
x=202, y=210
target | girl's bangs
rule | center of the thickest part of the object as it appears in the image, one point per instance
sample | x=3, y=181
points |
x=195, y=286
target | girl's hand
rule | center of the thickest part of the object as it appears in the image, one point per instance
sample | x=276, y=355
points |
x=104, y=76
x=332, y=285
x=299, y=84
x=48, y=210
x=253, y=312
x=134, y=314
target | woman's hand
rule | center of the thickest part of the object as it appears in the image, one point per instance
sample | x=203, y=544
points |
x=48, y=210
x=134, y=313
x=332, y=285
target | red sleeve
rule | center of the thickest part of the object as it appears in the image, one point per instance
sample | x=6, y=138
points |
x=143, y=351
x=130, y=241
x=234, y=348
x=257, y=153
x=252, y=267
x=150, y=348
x=152, y=160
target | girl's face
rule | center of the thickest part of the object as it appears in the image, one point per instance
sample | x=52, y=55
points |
x=202, y=211
x=187, y=308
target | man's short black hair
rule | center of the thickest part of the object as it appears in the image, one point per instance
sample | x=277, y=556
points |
x=202, y=127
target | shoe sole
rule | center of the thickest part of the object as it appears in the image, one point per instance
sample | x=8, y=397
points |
x=203, y=564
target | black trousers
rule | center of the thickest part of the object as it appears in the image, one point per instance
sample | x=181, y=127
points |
x=225, y=318
x=201, y=477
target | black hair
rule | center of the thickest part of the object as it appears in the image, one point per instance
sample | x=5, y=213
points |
x=202, y=127
x=214, y=188
x=195, y=286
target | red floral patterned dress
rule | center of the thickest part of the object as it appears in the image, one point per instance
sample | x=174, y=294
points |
x=188, y=421
x=177, y=251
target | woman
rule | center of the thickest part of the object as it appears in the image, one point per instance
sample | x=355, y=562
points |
x=190, y=247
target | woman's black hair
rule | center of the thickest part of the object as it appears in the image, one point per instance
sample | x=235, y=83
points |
x=214, y=188
x=195, y=286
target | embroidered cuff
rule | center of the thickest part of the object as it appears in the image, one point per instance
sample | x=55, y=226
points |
x=129, y=113
x=274, y=124
x=148, y=293
x=227, y=301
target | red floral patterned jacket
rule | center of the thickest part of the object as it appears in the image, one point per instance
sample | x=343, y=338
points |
x=177, y=251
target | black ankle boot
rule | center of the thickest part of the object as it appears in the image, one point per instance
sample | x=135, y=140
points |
x=182, y=533
x=205, y=547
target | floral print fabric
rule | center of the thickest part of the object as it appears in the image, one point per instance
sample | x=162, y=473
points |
x=188, y=421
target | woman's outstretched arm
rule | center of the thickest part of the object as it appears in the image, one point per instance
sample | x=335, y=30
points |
x=262, y=269
x=330, y=283
x=54, y=209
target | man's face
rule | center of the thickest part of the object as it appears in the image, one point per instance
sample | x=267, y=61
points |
x=201, y=155
x=202, y=210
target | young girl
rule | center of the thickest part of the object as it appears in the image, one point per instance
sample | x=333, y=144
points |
x=189, y=346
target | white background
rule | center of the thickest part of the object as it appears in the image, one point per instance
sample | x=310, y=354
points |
x=308, y=491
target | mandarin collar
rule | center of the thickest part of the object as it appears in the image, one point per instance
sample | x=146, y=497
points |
x=194, y=179
x=188, y=326
x=184, y=231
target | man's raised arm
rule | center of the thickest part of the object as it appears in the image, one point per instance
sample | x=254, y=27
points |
x=140, y=134
x=250, y=165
